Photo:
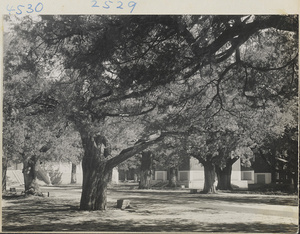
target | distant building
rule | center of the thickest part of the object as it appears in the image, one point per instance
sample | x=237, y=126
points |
x=261, y=172
x=57, y=172
x=191, y=174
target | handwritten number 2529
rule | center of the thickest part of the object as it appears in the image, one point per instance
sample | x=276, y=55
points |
x=107, y=4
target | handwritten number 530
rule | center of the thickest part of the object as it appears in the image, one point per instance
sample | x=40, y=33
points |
x=29, y=8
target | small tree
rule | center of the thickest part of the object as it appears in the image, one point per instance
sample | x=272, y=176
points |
x=73, y=174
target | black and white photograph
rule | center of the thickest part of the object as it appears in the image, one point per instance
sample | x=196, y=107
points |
x=150, y=123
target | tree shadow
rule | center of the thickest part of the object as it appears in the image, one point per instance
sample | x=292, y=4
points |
x=173, y=197
x=168, y=225
x=263, y=199
x=49, y=214
x=31, y=209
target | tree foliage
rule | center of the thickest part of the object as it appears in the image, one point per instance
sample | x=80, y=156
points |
x=168, y=74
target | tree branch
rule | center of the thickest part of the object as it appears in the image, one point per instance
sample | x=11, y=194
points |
x=138, y=147
x=92, y=99
x=131, y=151
x=106, y=114
x=237, y=35
x=265, y=69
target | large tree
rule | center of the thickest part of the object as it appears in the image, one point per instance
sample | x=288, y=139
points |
x=279, y=148
x=212, y=148
x=100, y=67
x=224, y=169
x=281, y=155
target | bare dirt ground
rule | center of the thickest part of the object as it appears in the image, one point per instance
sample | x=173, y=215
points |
x=152, y=211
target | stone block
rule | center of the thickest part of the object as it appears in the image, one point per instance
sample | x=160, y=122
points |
x=123, y=204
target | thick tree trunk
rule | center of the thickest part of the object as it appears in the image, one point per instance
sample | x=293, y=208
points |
x=4, y=170
x=30, y=176
x=173, y=177
x=145, y=174
x=224, y=175
x=209, y=178
x=224, y=178
x=73, y=174
x=96, y=166
x=94, y=189
x=95, y=173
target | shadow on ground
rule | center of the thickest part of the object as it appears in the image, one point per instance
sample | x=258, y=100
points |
x=283, y=200
x=152, y=212
x=160, y=226
x=170, y=197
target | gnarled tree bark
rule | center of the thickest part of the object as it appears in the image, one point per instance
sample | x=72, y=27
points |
x=224, y=175
x=146, y=167
x=209, y=177
x=30, y=167
x=96, y=167
x=95, y=172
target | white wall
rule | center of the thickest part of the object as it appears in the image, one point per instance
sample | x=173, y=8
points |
x=66, y=169
x=236, y=170
x=248, y=176
x=266, y=177
x=195, y=178
x=161, y=175
x=115, y=176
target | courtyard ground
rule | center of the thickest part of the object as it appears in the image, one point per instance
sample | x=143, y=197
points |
x=152, y=211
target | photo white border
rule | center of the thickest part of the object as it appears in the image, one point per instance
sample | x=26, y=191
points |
x=207, y=7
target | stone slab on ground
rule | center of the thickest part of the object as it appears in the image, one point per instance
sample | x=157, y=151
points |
x=123, y=204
